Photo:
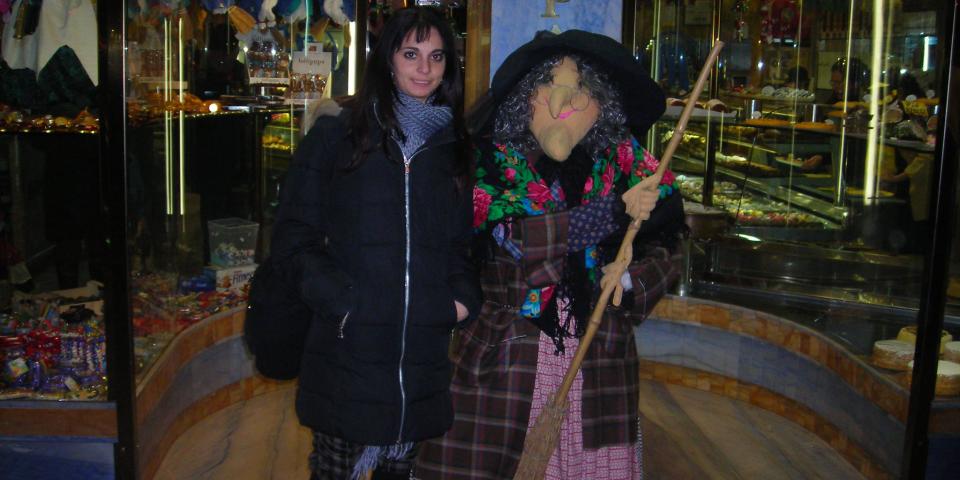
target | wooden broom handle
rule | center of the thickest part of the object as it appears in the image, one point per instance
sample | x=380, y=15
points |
x=597, y=315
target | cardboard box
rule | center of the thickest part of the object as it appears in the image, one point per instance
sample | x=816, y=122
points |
x=230, y=278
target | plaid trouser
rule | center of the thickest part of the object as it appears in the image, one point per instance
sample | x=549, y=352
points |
x=333, y=458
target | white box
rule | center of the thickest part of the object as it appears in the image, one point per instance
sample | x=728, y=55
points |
x=230, y=278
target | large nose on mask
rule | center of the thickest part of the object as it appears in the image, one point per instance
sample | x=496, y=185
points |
x=559, y=98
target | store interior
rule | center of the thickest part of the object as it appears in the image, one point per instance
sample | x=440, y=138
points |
x=808, y=171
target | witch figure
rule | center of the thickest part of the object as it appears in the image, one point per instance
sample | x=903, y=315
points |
x=557, y=148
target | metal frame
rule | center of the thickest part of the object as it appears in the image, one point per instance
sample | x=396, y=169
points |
x=936, y=263
x=111, y=35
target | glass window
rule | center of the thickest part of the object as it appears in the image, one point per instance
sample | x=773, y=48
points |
x=814, y=145
x=52, y=240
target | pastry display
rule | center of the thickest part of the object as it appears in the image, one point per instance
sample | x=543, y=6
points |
x=850, y=105
x=892, y=354
x=739, y=130
x=951, y=351
x=948, y=378
x=748, y=209
x=713, y=105
x=740, y=164
x=770, y=92
x=766, y=122
x=892, y=115
x=817, y=126
x=909, y=334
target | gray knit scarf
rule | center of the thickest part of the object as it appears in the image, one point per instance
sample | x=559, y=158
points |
x=418, y=121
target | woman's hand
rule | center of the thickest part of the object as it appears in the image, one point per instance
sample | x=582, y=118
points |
x=462, y=311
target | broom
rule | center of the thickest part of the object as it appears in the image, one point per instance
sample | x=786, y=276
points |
x=541, y=441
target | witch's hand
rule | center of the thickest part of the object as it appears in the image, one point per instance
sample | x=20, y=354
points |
x=641, y=199
x=613, y=272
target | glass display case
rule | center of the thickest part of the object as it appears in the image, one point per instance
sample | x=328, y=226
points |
x=815, y=143
x=52, y=342
x=818, y=138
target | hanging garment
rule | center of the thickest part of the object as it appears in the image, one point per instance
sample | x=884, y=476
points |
x=18, y=52
x=64, y=85
x=18, y=87
x=61, y=22
x=72, y=23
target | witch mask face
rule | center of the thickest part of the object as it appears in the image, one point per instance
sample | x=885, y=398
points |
x=563, y=111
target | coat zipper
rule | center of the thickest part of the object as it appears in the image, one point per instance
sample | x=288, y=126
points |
x=406, y=289
x=407, y=161
x=343, y=324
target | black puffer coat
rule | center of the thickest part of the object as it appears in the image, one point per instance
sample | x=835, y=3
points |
x=380, y=255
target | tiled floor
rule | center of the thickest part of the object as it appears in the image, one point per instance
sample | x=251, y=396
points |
x=688, y=434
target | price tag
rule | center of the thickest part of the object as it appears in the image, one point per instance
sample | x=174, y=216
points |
x=311, y=63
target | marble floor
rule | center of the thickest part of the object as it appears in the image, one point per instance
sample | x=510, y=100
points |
x=688, y=434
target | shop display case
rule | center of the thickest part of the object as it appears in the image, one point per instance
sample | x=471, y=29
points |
x=52, y=343
x=816, y=139
x=198, y=147
x=791, y=155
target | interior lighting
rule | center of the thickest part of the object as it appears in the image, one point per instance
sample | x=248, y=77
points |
x=352, y=52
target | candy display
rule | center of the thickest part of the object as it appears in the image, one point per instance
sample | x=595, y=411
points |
x=163, y=306
x=17, y=121
x=306, y=86
x=49, y=351
x=267, y=60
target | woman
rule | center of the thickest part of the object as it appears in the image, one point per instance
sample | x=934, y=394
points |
x=373, y=228
x=556, y=155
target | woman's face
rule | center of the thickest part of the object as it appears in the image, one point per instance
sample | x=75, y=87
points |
x=418, y=66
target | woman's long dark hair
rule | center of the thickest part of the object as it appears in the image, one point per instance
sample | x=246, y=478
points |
x=377, y=87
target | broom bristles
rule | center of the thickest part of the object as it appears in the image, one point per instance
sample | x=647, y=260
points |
x=541, y=441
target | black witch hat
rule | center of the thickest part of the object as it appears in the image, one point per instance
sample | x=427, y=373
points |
x=643, y=100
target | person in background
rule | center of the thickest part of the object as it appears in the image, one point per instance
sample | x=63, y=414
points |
x=848, y=77
x=797, y=77
x=373, y=231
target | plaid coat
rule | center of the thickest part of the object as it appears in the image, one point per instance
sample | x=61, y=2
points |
x=495, y=357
